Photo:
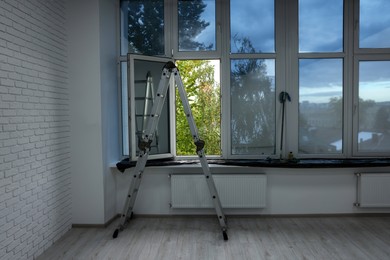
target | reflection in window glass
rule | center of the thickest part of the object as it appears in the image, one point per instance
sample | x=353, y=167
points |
x=124, y=112
x=252, y=96
x=320, y=26
x=196, y=25
x=374, y=106
x=320, y=106
x=142, y=29
x=147, y=75
x=374, y=24
x=252, y=26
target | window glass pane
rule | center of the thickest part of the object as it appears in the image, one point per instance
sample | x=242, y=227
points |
x=125, y=111
x=374, y=106
x=320, y=26
x=147, y=76
x=142, y=27
x=374, y=24
x=196, y=25
x=252, y=26
x=320, y=106
x=253, y=106
x=201, y=82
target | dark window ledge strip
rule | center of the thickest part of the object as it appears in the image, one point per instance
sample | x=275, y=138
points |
x=301, y=163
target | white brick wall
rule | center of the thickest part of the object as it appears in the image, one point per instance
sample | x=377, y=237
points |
x=35, y=191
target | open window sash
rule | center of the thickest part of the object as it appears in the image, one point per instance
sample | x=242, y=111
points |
x=143, y=80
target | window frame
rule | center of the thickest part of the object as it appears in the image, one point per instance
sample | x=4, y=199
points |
x=286, y=58
x=131, y=58
x=356, y=39
x=361, y=54
x=355, y=146
x=279, y=82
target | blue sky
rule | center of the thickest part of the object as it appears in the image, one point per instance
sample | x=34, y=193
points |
x=320, y=30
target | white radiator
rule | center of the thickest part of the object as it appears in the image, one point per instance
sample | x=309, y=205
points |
x=234, y=190
x=373, y=190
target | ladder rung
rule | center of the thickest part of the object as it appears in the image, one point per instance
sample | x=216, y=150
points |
x=143, y=98
x=140, y=81
x=142, y=115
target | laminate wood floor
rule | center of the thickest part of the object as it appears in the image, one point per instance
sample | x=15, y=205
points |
x=249, y=238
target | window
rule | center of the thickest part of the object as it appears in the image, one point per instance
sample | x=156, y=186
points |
x=374, y=106
x=144, y=80
x=252, y=90
x=252, y=79
x=372, y=78
x=320, y=106
x=374, y=24
x=331, y=57
x=142, y=27
x=247, y=31
x=201, y=81
x=196, y=25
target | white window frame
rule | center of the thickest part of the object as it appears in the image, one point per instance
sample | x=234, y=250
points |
x=361, y=54
x=286, y=58
x=131, y=107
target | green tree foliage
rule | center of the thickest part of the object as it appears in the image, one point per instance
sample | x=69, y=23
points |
x=204, y=98
x=251, y=88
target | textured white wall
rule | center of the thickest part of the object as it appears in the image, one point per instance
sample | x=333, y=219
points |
x=35, y=177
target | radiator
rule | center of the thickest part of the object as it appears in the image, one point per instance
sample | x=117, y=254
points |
x=234, y=190
x=373, y=190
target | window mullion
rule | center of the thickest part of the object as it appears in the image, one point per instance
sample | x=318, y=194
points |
x=291, y=76
x=349, y=103
x=225, y=78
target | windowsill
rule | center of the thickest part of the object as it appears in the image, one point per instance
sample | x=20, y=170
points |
x=276, y=163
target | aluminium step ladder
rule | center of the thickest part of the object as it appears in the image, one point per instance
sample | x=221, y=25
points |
x=145, y=146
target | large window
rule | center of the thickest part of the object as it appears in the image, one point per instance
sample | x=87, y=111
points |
x=237, y=57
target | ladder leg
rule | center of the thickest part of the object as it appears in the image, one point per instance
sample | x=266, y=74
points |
x=144, y=147
x=132, y=193
x=200, y=152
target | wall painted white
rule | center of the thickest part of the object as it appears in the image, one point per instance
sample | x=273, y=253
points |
x=289, y=191
x=86, y=137
x=109, y=101
x=92, y=80
x=35, y=174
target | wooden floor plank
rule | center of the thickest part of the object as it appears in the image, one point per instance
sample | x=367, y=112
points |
x=249, y=238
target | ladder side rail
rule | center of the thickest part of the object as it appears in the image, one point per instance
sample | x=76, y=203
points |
x=200, y=150
x=144, y=146
x=147, y=99
x=157, y=106
x=133, y=189
x=148, y=138
x=186, y=104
